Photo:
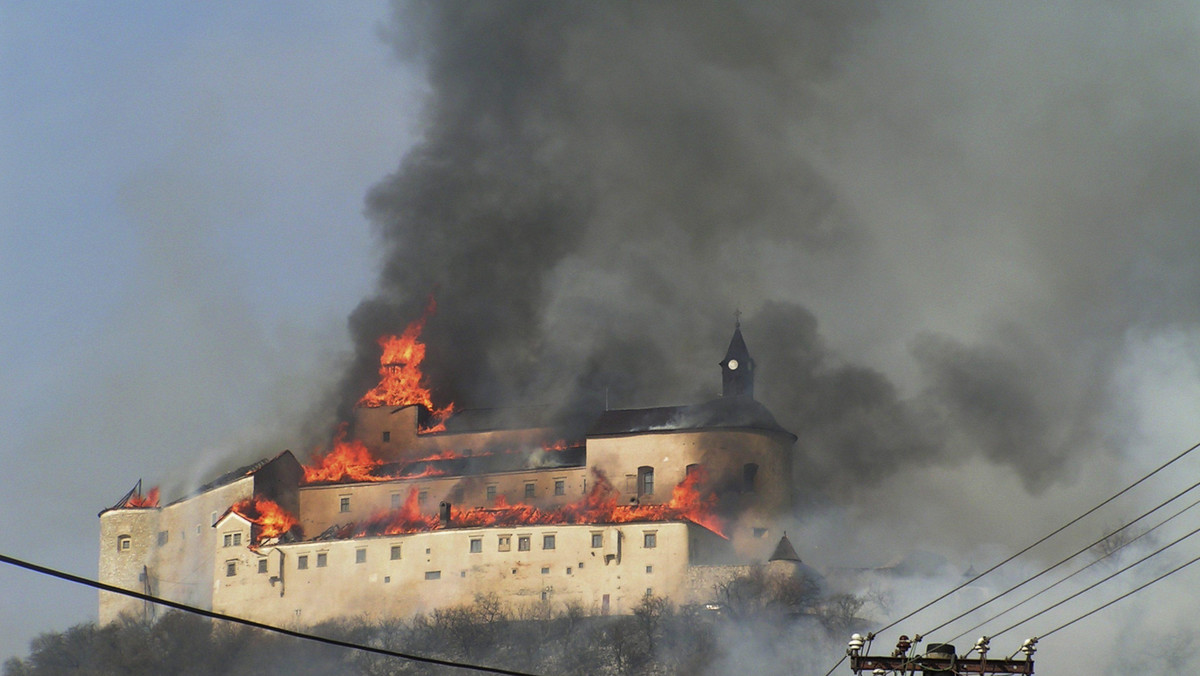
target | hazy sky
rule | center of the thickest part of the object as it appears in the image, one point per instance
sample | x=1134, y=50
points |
x=963, y=237
x=181, y=238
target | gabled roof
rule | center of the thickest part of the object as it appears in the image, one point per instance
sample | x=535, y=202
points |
x=722, y=413
x=230, y=513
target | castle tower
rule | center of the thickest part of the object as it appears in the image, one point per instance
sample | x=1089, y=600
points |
x=737, y=368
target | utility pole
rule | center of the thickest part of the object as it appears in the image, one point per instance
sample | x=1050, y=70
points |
x=939, y=660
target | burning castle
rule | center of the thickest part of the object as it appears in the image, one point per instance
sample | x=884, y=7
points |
x=417, y=507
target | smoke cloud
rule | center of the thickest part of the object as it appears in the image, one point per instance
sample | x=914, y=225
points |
x=941, y=223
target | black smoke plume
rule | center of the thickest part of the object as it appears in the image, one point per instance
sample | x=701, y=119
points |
x=600, y=185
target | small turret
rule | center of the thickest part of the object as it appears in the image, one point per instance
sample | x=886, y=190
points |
x=737, y=368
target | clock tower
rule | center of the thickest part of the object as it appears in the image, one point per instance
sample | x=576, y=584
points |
x=737, y=368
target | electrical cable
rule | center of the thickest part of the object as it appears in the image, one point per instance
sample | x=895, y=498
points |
x=1074, y=573
x=252, y=623
x=1068, y=558
x=1035, y=544
x=1122, y=597
x=1097, y=583
x=1056, y=531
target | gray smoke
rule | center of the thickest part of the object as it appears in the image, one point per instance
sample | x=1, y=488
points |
x=979, y=205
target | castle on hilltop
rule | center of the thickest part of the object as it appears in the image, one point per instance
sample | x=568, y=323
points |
x=412, y=511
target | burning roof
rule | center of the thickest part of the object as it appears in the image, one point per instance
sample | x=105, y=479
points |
x=135, y=500
x=599, y=506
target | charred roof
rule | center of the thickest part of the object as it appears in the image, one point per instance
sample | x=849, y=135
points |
x=725, y=413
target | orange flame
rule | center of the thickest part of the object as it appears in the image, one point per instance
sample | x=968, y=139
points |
x=599, y=506
x=269, y=519
x=400, y=378
x=346, y=461
x=139, y=501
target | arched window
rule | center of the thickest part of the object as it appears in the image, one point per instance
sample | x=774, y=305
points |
x=749, y=473
x=645, y=480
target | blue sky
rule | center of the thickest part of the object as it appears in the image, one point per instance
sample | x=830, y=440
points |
x=181, y=191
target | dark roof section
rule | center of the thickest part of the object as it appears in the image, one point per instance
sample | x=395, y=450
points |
x=724, y=413
x=784, y=551
x=230, y=477
x=485, y=464
x=488, y=419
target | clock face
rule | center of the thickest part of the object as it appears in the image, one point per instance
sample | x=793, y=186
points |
x=733, y=364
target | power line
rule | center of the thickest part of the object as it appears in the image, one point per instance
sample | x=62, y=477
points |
x=1077, y=572
x=1068, y=558
x=1056, y=531
x=251, y=623
x=1026, y=549
x=1122, y=596
x=1097, y=583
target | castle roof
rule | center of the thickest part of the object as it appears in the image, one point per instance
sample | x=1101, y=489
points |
x=784, y=551
x=724, y=413
x=485, y=464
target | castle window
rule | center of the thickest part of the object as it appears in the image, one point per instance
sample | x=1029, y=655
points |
x=504, y=543
x=162, y=538
x=322, y=559
x=302, y=562
x=230, y=568
x=476, y=545
x=422, y=497
x=650, y=540
x=522, y=543
x=597, y=540
x=545, y=570
x=649, y=569
x=491, y=492
x=395, y=552
x=344, y=503
x=560, y=486
x=568, y=571
x=395, y=501
x=262, y=565
x=124, y=543
x=691, y=469
x=645, y=481
x=433, y=575
x=530, y=490
x=749, y=474
x=360, y=556
x=547, y=542
x=387, y=436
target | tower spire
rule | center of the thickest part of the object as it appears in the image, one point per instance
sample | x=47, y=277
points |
x=737, y=368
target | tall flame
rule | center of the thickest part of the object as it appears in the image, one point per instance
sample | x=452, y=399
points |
x=599, y=506
x=401, y=382
x=269, y=519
